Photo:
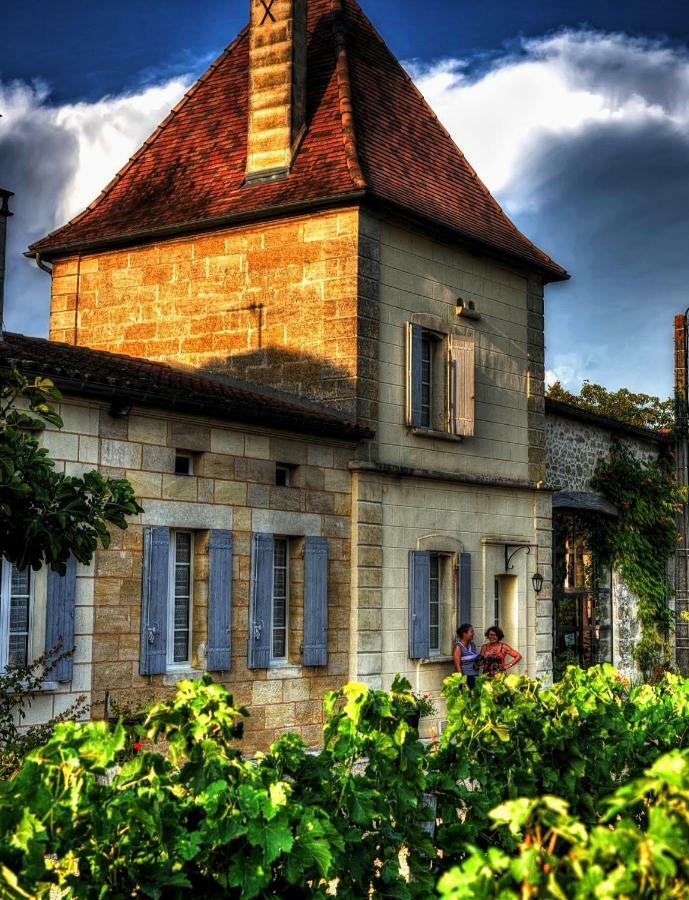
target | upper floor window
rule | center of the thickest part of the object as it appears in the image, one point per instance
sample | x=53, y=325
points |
x=184, y=464
x=440, y=381
x=15, y=615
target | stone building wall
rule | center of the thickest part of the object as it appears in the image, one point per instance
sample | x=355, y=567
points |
x=573, y=449
x=233, y=487
x=275, y=303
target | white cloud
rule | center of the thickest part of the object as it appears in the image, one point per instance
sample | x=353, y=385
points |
x=57, y=159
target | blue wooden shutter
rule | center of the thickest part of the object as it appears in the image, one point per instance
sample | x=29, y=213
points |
x=419, y=604
x=260, y=601
x=316, y=602
x=415, y=341
x=154, y=601
x=59, y=625
x=464, y=610
x=219, y=601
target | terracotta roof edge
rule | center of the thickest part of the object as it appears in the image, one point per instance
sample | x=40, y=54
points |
x=146, y=144
x=345, y=91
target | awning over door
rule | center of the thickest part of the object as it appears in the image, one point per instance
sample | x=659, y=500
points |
x=584, y=501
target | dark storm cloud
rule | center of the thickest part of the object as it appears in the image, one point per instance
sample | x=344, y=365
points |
x=611, y=204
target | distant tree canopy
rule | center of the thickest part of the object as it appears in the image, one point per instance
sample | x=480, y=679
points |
x=642, y=410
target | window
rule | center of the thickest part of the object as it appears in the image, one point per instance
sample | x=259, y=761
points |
x=280, y=599
x=283, y=474
x=181, y=580
x=440, y=381
x=184, y=464
x=434, y=603
x=433, y=586
x=15, y=615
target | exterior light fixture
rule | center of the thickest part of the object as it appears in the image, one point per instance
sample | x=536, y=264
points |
x=537, y=581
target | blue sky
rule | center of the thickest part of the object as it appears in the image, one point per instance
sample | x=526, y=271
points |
x=576, y=114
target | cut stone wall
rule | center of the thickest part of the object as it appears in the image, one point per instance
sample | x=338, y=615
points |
x=275, y=303
x=233, y=487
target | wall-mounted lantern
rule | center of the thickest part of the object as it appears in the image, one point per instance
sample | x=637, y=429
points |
x=537, y=582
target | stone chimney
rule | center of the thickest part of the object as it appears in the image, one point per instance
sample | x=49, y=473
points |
x=277, y=86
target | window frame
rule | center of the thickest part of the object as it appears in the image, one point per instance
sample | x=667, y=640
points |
x=280, y=660
x=189, y=457
x=171, y=664
x=5, y=610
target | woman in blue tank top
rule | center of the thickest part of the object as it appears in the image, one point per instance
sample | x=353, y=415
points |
x=465, y=655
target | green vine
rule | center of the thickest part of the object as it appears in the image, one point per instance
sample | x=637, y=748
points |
x=641, y=540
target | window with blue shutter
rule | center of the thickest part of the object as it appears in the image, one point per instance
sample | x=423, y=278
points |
x=464, y=611
x=260, y=601
x=219, y=601
x=316, y=601
x=59, y=622
x=154, y=601
x=419, y=604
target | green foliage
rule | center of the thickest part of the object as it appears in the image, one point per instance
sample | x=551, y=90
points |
x=17, y=688
x=642, y=410
x=540, y=792
x=44, y=514
x=640, y=849
x=642, y=540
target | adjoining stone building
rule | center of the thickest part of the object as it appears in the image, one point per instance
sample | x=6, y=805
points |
x=302, y=220
x=594, y=612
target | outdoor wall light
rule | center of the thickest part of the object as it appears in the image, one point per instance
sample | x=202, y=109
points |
x=537, y=581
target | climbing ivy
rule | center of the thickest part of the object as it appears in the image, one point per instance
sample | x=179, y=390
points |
x=641, y=540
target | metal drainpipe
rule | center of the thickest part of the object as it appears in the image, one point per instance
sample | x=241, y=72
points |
x=682, y=468
x=42, y=265
x=4, y=216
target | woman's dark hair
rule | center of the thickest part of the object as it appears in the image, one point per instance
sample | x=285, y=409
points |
x=463, y=629
x=498, y=631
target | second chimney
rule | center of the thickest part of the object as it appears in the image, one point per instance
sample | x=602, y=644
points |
x=277, y=86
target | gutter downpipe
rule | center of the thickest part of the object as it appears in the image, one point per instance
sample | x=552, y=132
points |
x=4, y=216
x=682, y=470
x=42, y=265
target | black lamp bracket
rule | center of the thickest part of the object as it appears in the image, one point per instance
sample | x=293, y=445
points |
x=515, y=548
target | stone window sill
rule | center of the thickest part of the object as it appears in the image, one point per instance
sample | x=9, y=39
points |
x=436, y=659
x=438, y=435
x=172, y=676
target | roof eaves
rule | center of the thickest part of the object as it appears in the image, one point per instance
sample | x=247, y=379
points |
x=570, y=411
x=552, y=273
x=195, y=226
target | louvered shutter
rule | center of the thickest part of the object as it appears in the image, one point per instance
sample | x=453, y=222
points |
x=260, y=601
x=219, y=601
x=462, y=384
x=154, y=601
x=464, y=610
x=414, y=353
x=419, y=604
x=316, y=602
x=59, y=625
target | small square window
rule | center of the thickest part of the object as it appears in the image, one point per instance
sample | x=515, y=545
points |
x=184, y=464
x=283, y=474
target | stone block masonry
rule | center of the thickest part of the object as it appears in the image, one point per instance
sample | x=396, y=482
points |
x=276, y=304
x=233, y=487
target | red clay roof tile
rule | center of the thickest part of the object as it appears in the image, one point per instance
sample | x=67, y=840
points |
x=369, y=134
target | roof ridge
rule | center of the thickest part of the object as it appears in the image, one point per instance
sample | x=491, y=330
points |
x=151, y=138
x=344, y=87
x=482, y=187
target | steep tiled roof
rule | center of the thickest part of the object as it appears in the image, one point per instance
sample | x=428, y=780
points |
x=370, y=134
x=111, y=376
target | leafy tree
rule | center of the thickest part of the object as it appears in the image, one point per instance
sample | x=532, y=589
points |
x=642, y=410
x=45, y=514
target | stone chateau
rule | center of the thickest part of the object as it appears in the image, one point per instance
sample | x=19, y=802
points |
x=303, y=329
